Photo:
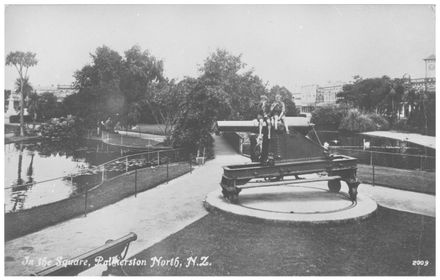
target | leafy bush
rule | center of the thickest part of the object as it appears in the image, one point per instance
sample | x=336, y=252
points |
x=381, y=122
x=329, y=116
x=28, y=131
x=62, y=128
x=356, y=121
x=404, y=125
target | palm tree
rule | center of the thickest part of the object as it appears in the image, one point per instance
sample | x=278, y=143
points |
x=27, y=87
x=21, y=61
x=33, y=105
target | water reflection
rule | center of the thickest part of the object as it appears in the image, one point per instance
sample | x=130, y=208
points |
x=387, y=152
x=31, y=162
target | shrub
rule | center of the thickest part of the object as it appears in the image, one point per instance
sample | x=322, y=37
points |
x=329, y=116
x=381, y=122
x=28, y=131
x=62, y=128
x=355, y=121
x=404, y=125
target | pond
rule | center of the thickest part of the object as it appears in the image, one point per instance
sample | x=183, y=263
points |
x=30, y=162
x=382, y=151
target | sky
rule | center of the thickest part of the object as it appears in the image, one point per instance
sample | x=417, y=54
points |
x=286, y=45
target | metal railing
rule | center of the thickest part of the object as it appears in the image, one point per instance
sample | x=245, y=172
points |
x=412, y=172
x=126, y=138
x=90, y=178
x=397, y=160
x=373, y=156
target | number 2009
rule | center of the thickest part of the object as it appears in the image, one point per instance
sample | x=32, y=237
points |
x=420, y=263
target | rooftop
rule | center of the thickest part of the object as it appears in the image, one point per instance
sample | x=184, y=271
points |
x=431, y=57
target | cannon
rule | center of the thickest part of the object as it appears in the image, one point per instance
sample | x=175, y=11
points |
x=112, y=249
x=285, y=154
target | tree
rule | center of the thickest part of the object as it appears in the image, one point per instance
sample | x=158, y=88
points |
x=21, y=61
x=113, y=85
x=329, y=116
x=26, y=87
x=166, y=104
x=241, y=87
x=202, y=107
x=379, y=95
x=142, y=76
x=33, y=105
x=48, y=107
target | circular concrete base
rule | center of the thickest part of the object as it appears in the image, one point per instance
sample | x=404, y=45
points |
x=298, y=204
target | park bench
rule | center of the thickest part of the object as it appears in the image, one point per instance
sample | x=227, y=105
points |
x=111, y=249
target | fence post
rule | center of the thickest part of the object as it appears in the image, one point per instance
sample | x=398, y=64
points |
x=372, y=162
x=126, y=164
x=190, y=163
x=135, y=181
x=103, y=174
x=85, y=200
x=168, y=163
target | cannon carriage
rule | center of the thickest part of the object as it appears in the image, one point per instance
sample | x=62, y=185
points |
x=286, y=155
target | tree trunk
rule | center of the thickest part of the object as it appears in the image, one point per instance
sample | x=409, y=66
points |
x=21, y=108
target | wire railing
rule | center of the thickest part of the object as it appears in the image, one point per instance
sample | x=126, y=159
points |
x=129, y=139
x=90, y=178
x=118, y=166
x=399, y=160
x=373, y=156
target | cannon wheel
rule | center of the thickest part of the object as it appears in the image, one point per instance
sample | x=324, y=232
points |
x=334, y=185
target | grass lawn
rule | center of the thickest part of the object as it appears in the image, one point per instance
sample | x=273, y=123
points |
x=130, y=141
x=150, y=128
x=385, y=244
x=411, y=180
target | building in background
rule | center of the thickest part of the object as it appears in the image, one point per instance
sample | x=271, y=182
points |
x=326, y=95
x=308, y=97
x=430, y=66
x=13, y=98
x=428, y=82
x=421, y=85
x=305, y=98
x=60, y=91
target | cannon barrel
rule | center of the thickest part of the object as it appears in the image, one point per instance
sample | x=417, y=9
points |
x=299, y=124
